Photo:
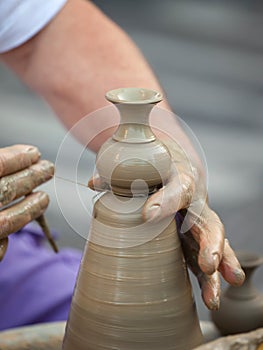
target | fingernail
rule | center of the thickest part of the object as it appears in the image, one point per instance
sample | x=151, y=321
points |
x=48, y=167
x=43, y=200
x=34, y=151
x=214, y=303
x=240, y=276
x=153, y=212
x=216, y=259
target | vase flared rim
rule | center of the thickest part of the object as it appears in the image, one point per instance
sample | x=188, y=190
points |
x=133, y=96
x=249, y=259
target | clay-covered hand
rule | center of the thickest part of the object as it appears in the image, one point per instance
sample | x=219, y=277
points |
x=21, y=171
x=205, y=248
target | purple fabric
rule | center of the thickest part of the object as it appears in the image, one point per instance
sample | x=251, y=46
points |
x=36, y=285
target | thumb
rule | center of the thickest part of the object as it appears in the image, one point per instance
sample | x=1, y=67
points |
x=176, y=195
x=96, y=183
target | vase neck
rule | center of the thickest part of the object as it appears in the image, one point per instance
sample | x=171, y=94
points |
x=247, y=290
x=134, y=123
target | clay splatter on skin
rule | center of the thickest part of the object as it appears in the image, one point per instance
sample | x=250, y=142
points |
x=21, y=172
x=23, y=182
x=18, y=157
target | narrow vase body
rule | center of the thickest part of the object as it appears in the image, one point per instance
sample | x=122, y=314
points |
x=133, y=290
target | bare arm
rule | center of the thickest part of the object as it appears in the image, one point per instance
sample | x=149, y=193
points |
x=72, y=63
x=79, y=56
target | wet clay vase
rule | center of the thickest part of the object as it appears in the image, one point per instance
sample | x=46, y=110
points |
x=133, y=289
x=241, y=308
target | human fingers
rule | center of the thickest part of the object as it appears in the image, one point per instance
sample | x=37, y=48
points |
x=205, y=224
x=230, y=267
x=210, y=286
x=23, y=182
x=18, y=215
x=230, y=270
x=176, y=195
x=17, y=157
x=208, y=231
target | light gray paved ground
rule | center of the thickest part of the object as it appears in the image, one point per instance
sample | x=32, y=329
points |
x=209, y=57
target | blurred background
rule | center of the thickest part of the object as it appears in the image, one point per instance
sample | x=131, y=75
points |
x=208, y=56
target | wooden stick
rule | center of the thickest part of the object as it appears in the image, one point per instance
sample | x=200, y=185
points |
x=41, y=220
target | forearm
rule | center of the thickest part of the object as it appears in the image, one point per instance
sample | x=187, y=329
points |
x=79, y=56
x=72, y=63
x=75, y=59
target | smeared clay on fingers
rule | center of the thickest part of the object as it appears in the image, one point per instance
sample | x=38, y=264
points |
x=21, y=213
x=176, y=195
x=25, y=181
x=230, y=267
x=17, y=157
x=208, y=231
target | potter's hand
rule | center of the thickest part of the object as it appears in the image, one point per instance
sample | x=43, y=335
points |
x=20, y=172
x=202, y=233
x=206, y=250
